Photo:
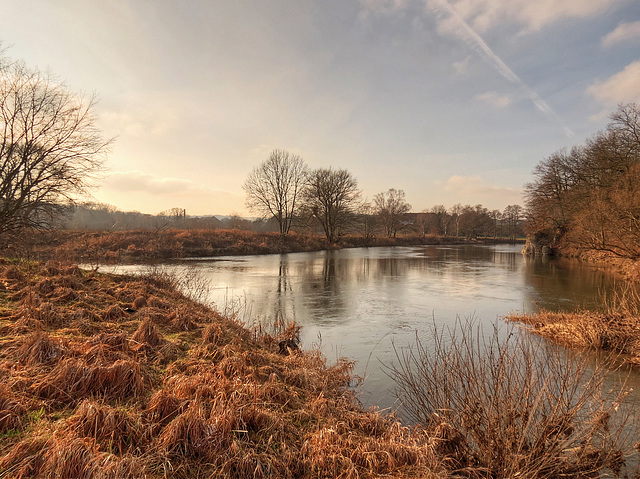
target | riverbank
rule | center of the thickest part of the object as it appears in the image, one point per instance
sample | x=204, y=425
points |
x=628, y=268
x=122, y=377
x=165, y=245
x=615, y=330
x=109, y=376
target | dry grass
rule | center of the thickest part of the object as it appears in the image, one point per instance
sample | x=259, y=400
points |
x=153, y=245
x=616, y=329
x=96, y=382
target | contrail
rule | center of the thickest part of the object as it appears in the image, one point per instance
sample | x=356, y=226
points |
x=476, y=42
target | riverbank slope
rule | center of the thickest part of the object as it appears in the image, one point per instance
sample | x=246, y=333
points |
x=108, y=376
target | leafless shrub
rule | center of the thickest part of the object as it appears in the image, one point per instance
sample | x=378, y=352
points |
x=509, y=405
x=624, y=300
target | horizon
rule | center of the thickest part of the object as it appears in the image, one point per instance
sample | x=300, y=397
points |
x=450, y=101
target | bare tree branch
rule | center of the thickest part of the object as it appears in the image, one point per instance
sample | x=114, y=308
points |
x=50, y=148
x=274, y=187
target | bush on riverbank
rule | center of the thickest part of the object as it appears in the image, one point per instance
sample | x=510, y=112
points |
x=507, y=405
x=116, y=377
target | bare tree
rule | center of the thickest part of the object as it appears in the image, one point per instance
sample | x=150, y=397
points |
x=50, y=148
x=441, y=219
x=512, y=216
x=588, y=195
x=455, y=213
x=390, y=207
x=366, y=222
x=331, y=197
x=273, y=188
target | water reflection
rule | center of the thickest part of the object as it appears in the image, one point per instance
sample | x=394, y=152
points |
x=564, y=284
x=363, y=301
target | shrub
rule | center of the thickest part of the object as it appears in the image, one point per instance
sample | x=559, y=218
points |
x=510, y=405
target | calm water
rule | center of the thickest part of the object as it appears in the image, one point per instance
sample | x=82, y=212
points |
x=359, y=303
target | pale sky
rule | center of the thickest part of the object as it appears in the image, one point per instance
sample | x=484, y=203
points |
x=453, y=101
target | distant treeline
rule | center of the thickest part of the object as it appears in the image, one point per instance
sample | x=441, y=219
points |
x=104, y=217
x=588, y=198
x=460, y=221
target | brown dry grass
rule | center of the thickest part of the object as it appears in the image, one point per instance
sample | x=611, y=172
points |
x=93, y=387
x=616, y=329
x=154, y=245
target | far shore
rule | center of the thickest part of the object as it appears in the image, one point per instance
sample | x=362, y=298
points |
x=141, y=246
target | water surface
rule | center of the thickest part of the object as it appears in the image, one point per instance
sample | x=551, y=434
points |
x=361, y=303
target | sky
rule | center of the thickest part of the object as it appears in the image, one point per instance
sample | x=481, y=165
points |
x=452, y=101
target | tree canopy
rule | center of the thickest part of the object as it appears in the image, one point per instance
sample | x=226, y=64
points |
x=331, y=196
x=390, y=207
x=589, y=197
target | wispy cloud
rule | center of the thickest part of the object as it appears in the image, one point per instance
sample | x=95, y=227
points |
x=623, y=87
x=493, y=99
x=451, y=22
x=462, y=66
x=383, y=6
x=483, y=15
x=625, y=32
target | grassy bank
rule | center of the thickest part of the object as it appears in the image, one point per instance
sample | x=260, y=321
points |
x=616, y=329
x=150, y=245
x=105, y=376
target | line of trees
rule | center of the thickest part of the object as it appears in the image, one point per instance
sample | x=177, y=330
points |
x=473, y=221
x=285, y=190
x=588, y=197
x=51, y=151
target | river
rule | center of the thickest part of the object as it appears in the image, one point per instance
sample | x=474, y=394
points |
x=362, y=303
